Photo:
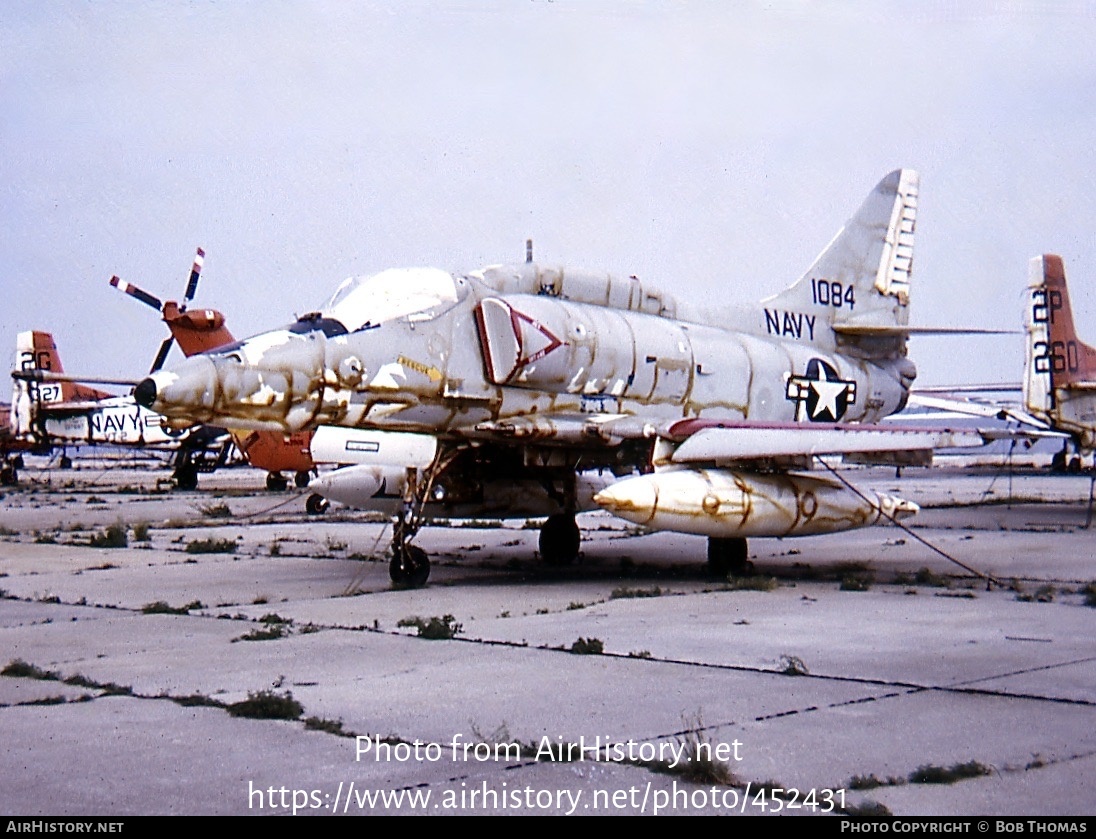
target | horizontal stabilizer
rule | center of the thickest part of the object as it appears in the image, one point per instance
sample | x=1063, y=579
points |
x=997, y=387
x=971, y=408
x=868, y=330
x=40, y=376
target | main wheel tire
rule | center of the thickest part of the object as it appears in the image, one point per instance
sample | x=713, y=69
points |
x=412, y=569
x=9, y=476
x=316, y=505
x=301, y=479
x=186, y=478
x=560, y=540
x=276, y=481
x=727, y=556
x=66, y=462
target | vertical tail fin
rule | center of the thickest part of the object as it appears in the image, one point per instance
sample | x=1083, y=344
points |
x=860, y=284
x=33, y=351
x=198, y=330
x=1059, y=368
x=36, y=350
x=1067, y=359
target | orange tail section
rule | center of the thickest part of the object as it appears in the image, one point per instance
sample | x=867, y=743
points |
x=198, y=330
x=37, y=351
x=1067, y=358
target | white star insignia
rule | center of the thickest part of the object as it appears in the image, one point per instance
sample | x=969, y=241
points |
x=828, y=393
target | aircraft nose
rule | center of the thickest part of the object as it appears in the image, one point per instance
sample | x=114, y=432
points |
x=186, y=392
x=145, y=393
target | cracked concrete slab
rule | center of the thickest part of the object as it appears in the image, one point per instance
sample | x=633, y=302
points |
x=926, y=666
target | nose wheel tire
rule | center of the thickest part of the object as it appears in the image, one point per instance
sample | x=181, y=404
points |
x=410, y=567
x=560, y=540
x=316, y=505
x=728, y=556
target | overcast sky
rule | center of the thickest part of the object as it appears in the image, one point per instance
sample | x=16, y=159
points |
x=711, y=148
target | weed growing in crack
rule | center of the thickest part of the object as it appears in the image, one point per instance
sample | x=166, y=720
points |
x=267, y=705
x=627, y=592
x=929, y=774
x=115, y=536
x=434, y=629
x=792, y=665
x=212, y=545
x=161, y=607
x=588, y=646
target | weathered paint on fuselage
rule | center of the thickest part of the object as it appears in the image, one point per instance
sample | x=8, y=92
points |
x=497, y=353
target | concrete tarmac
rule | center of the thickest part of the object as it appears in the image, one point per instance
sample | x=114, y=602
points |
x=945, y=670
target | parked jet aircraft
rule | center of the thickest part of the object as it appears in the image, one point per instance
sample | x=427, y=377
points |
x=1059, y=368
x=520, y=382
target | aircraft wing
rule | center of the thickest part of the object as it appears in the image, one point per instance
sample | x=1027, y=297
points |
x=57, y=410
x=47, y=376
x=748, y=442
x=742, y=443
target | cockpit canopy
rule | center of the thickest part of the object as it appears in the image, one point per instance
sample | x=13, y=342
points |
x=417, y=294
x=414, y=294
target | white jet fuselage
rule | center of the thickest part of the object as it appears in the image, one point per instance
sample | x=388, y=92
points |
x=472, y=355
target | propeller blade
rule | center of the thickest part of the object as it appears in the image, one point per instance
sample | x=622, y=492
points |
x=195, y=273
x=133, y=291
x=161, y=356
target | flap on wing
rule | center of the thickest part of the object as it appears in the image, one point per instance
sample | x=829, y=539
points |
x=746, y=442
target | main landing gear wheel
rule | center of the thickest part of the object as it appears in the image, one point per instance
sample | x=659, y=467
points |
x=301, y=479
x=186, y=477
x=410, y=567
x=276, y=481
x=728, y=556
x=1058, y=462
x=560, y=539
x=316, y=505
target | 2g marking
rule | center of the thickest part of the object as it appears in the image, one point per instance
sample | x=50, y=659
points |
x=832, y=293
